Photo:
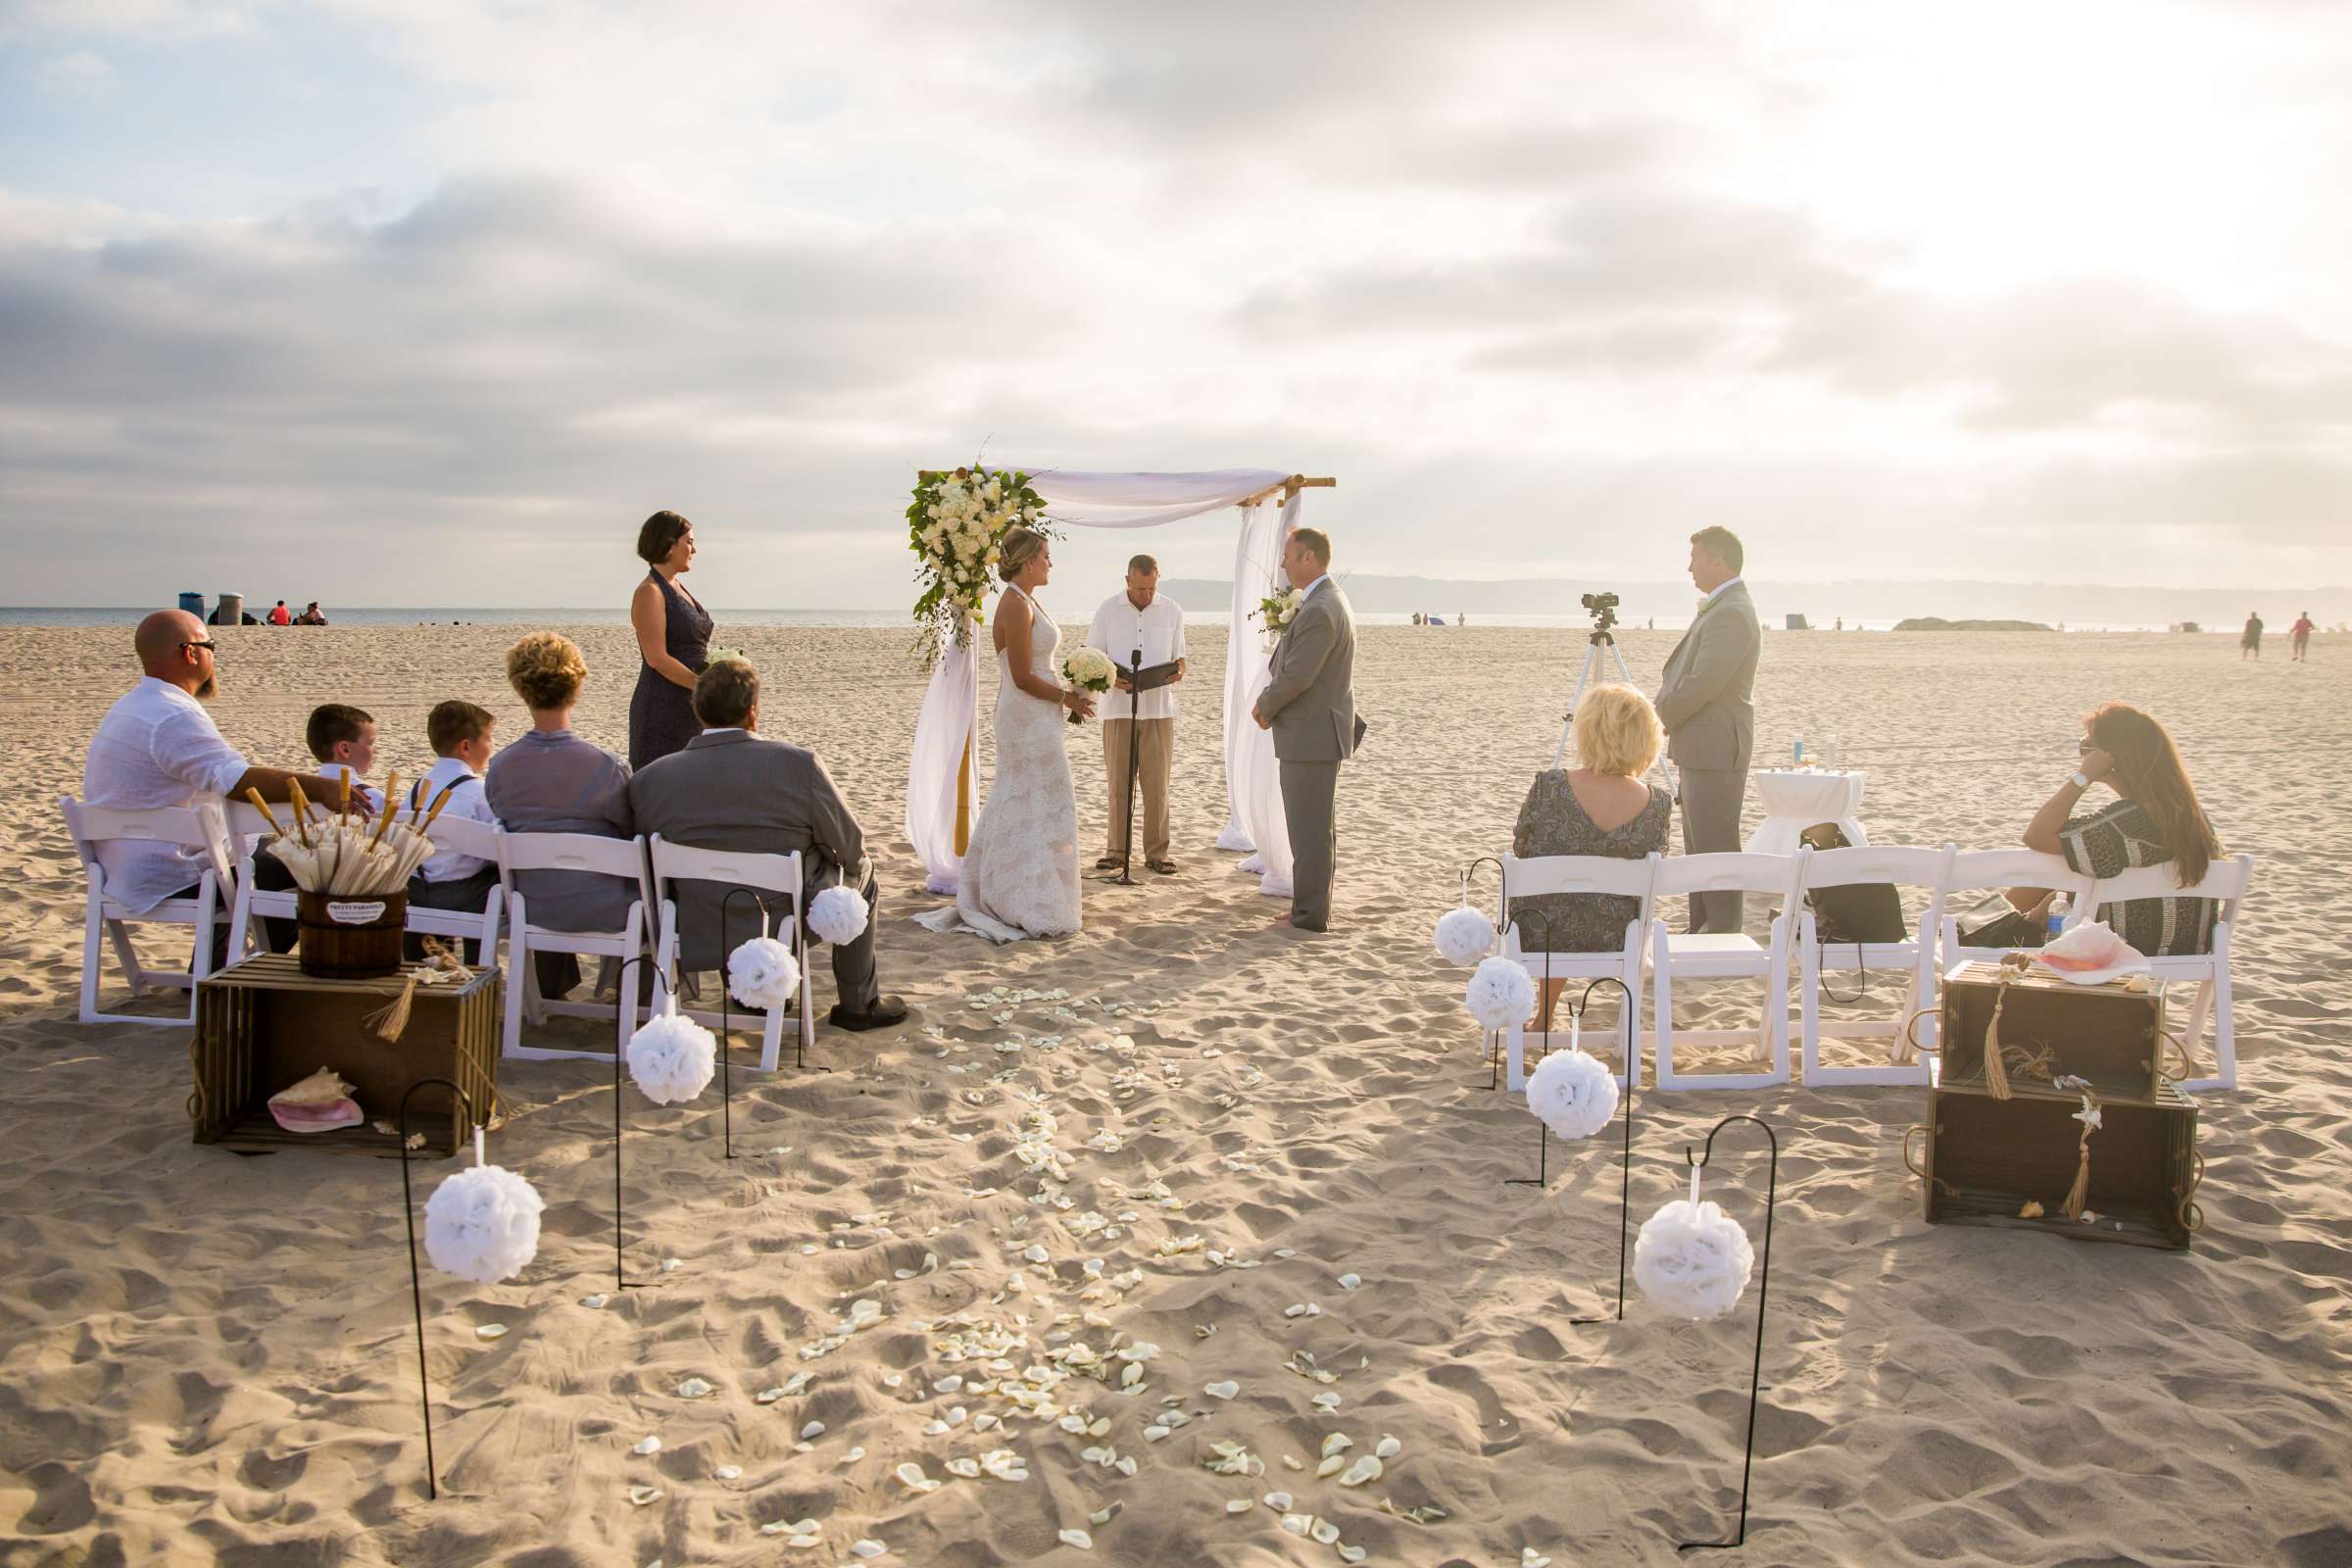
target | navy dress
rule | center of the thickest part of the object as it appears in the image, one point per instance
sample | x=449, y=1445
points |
x=661, y=711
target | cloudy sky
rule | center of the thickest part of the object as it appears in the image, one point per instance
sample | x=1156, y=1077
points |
x=448, y=296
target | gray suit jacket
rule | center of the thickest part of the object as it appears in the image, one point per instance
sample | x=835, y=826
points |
x=734, y=791
x=1309, y=700
x=1706, y=697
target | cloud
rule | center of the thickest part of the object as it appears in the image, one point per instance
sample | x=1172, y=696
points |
x=80, y=74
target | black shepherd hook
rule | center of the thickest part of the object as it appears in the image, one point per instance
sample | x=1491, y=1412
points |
x=726, y=1078
x=1625, y=1161
x=1543, y=1022
x=1763, y=1282
x=621, y=1282
x=408, y=1206
x=1503, y=904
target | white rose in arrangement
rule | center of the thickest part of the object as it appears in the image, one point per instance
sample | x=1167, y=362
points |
x=1086, y=669
x=1275, y=610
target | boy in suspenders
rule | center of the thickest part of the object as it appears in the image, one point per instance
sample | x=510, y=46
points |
x=459, y=733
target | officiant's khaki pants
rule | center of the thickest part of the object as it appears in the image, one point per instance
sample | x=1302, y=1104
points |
x=1155, y=749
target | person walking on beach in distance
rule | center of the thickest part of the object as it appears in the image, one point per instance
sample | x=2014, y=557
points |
x=2249, y=642
x=1138, y=618
x=1309, y=705
x=1707, y=702
x=674, y=638
x=2300, y=638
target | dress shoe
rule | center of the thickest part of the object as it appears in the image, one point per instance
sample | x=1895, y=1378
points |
x=886, y=1010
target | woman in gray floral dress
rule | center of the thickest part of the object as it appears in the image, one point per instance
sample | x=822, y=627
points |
x=1601, y=807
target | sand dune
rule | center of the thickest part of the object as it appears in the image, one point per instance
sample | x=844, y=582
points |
x=209, y=1359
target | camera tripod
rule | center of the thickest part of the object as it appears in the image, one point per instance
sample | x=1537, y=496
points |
x=1597, y=639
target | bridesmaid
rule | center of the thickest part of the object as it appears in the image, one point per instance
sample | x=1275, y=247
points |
x=674, y=636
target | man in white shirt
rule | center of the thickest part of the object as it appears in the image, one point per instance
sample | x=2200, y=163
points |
x=1139, y=730
x=158, y=747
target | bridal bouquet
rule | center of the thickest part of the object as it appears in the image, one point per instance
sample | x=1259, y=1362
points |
x=956, y=523
x=1086, y=669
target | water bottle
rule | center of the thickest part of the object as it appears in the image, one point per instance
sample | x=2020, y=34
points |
x=1800, y=748
x=2059, y=907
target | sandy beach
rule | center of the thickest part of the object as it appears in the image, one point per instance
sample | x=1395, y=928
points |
x=1262, y=1153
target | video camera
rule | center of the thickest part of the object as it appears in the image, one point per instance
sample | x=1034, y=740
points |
x=1602, y=608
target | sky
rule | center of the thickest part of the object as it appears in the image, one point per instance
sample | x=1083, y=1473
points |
x=423, y=302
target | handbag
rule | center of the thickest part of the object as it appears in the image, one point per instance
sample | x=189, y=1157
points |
x=1859, y=913
x=1995, y=922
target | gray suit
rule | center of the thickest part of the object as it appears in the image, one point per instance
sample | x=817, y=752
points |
x=1309, y=704
x=1705, y=702
x=734, y=791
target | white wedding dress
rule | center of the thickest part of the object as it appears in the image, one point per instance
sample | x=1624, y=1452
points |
x=1020, y=874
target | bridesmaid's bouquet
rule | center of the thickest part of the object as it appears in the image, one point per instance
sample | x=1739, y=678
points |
x=1086, y=669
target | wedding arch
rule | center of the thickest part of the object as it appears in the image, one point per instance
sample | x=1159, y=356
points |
x=942, y=789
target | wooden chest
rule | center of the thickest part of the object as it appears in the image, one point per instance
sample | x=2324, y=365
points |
x=1987, y=1157
x=263, y=1025
x=2110, y=1035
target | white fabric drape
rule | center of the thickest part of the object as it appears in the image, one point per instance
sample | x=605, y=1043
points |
x=951, y=704
x=1252, y=778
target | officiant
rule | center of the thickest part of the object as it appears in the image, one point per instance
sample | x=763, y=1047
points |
x=1139, y=730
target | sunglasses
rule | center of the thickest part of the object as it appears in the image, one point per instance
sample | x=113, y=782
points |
x=208, y=646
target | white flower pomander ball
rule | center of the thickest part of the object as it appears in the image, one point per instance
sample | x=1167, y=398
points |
x=1691, y=1259
x=1502, y=994
x=1464, y=936
x=483, y=1224
x=837, y=916
x=672, y=1059
x=1572, y=1092
x=763, y=973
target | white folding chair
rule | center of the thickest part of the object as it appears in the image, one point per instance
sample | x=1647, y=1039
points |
x=622, y=859
x=460, y=835
x=1913, y=958
x=1983, y=870
x=1721, y=956
x=1596, y=874
x=761, y=873
x=195, y=827
x=2226, y=883
x=247, y=828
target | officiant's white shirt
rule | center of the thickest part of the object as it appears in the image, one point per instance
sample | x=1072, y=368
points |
x=1119, y=629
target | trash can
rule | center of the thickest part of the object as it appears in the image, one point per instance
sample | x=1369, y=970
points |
x=230, y=611
x=192, y=603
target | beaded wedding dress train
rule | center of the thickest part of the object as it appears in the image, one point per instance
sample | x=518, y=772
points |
x=1020, y=874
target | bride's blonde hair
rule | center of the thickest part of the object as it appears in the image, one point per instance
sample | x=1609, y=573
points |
x=1019, y=546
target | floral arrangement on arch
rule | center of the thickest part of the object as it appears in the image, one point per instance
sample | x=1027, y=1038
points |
x=957, y=524
x=1276, y=609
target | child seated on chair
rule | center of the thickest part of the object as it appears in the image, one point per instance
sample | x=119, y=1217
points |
x=459, y=734
x=343, y=739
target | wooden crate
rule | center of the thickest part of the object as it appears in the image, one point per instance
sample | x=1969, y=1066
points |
x=1987, y=1156
x=263, y=1025
x=2109, y=1034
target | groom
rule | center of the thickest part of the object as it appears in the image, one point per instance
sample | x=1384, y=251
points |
x=1309, y=704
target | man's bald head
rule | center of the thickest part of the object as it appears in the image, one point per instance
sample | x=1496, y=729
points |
x=163, y=641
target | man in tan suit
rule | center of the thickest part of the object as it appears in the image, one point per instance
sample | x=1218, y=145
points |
x=1705, y=701
x=1309, y=704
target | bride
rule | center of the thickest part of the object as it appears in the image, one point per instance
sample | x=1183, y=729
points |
x=1021, y=874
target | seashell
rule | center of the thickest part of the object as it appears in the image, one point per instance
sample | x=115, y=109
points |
x=1102, y=1516
x=592, y=1303
x=1332, y=1465
x=2031, y=1211
x=982, y=1423
x=728, y=1472
x=1336, y=1442
x=767, y=1395
x=1327, y=1403
x=639, y=1497
x=1279, y=1501
x=1035, y=1252
x=1529, y=1557
x=913, y=1476
x=1324, y=1532
x=1388, y=1447
x=491, y=1331
x=869, y=1549
x=1222, y=1391
x=1152, y=1433
x=1077, y=1537
x=1291, y=1462
x=1239, y=1505
x=1352, y=1554
x=935, y=1429
x=1132, y=1375
x=805, y=1541
x=1368, y=1468
x=811, y=1430
x=948, y=1384
x=891, y=1380
x=1126, y=1467
x=647, y=1445
x=1297, y=1524
x=669, y=1265
x=694, y=1388
x=855, y=1454
x=1348, y=1282
x=969, y=1469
